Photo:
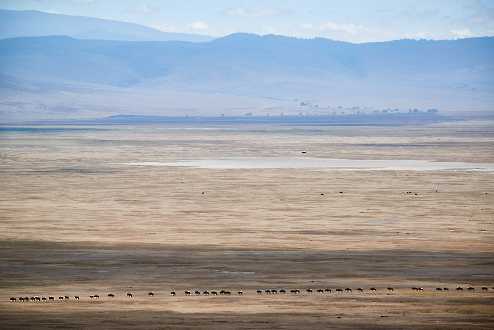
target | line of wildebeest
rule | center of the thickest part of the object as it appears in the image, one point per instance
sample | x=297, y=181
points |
x=240, y=293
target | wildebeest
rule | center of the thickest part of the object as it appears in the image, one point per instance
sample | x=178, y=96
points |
x=348, y=290
x=274, y=291
x=95, y=296
x=130, y=295
x=51, y=298
x=390, y=289
x=32, y=298
x=360, y=289
x=187, y=293
x=283, y=291
x=484, y=288
x=240, y=293
x=13, y=299
x=60, y=298
x=111, y=295
x=21, y=299
x=43, y=298
x=459, y=288
x=76, y=297
x=91, y=297
x=173, y=293
x=37, y=298
x=373, y=289
x=327, y=290
x=214, y=293
x=267, y=291
x=320, y=290
x=295, y=291
x=445, y=289
x=259, y=291
x=439, y=289
x=197, y=293
x=206, y=293
x=471, y=288
x=308, y=290
x=67, y=297
x=150, y=294
x=339, y=290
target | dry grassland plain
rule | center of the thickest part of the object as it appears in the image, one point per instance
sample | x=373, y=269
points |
x=77, y=219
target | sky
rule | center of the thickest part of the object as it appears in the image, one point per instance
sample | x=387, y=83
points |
x=347, y=20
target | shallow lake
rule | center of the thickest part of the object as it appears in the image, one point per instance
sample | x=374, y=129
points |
x=324, y=163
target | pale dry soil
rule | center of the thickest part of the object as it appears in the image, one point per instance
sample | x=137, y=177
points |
x=76, y=220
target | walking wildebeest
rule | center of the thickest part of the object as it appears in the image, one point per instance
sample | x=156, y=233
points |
x=214, y=293
x=111, y=295
x=43, y=298
x=240, y=293
x=51, y=298
x=339, y=290
x=32, y=298
x=130, y=295
x=13, y=299
x=67, y=297
x=37, y=298
x=76, y=297
x=150, y=294
x=187, y=293
x=373, y=289
x=459, y=288
x=197, y=293
x=484, y=288
x=445, y=289
x=390, y=289
x=259, y=291
x=295, y=291
x=95, y=296
x=360, y=289
x=21, y=299
x=471, y=288
x=327, y=290
x=320, y=291
x=283, y=291
x=348, y=290
x=439, y=289
x=308, y=290
x=206, y=293
x=173, y=293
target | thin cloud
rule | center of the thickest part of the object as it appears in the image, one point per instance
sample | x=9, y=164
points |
x=347, y=28
x=199, y=25
x=253, y=12
x=462, y=33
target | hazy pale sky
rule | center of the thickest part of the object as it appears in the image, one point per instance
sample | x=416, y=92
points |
x=349, y=20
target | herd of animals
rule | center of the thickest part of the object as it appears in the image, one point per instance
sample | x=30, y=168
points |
x=228, y=293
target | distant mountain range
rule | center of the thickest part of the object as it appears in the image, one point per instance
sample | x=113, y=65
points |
x=31, y=23
x=61, y=76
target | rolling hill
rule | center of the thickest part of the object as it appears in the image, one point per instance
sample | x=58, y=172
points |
x=31, y=23
x=274, y=72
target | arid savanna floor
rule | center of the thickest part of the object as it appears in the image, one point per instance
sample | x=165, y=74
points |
x=76, y=218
